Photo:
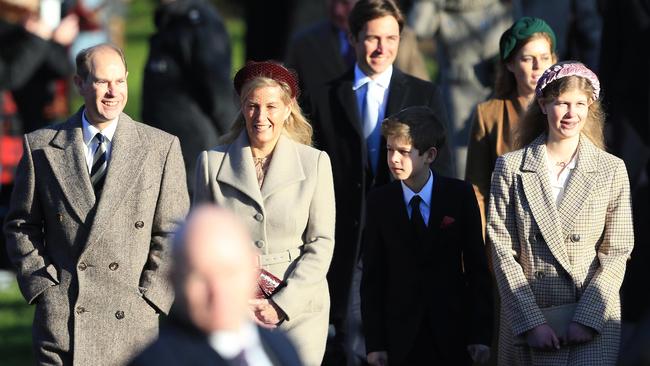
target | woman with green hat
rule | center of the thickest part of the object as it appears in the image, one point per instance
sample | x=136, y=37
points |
x=526, y=49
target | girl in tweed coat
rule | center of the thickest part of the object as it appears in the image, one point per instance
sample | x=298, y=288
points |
x=560, y=224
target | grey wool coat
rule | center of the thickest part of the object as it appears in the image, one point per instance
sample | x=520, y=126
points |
x=546, y=255
x=97, y=271
x=291, y=221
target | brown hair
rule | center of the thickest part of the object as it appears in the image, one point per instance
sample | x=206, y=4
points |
x=418, y=125
x=367, y=10
x=535, y=122
x=296, y=127
x=84, y=58
x=505, y=83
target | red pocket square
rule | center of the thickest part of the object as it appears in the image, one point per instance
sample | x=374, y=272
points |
x=446, y=221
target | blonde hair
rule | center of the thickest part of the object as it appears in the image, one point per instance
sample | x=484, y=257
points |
x=535, y=122
x=296, y=127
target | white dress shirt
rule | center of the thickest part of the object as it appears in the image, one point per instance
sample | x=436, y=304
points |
x=89, y=132
x=558, y=183
x=425, y=195
x=229, y=344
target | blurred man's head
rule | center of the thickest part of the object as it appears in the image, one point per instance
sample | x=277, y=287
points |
x=214, y=272
x=339, y=12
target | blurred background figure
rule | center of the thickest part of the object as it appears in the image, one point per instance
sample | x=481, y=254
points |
x=525, y=50
x=214, y=278
x=625, y=77
x=466, y=35
x=577, y=25
x=186, y=89
x=34, y=68
x=322, y=51
x=100, y=21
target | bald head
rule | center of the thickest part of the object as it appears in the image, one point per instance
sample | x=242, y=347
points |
x=214, y=271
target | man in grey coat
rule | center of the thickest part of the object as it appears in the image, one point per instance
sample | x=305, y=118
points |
x=88, y=230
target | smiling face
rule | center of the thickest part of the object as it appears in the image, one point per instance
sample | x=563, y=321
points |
x=105, y=89
x=265, y=110
x=529, y=63
x=567, y=114
x=376, y=45
x=407, y=164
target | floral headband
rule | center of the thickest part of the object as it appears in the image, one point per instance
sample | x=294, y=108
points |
x=564, y=69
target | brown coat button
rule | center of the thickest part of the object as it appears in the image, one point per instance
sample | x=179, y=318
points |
x=113, y=266
x=119, y=314
x=139, y=224
x=82, y=266
x=80, y=310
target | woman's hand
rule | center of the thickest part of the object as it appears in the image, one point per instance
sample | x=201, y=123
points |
x=542, y=337
x=266, y=313
x=579, y=333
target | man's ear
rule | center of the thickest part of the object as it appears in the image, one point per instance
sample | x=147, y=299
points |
x=431, y=154
x=78, y=82
x=352, y=39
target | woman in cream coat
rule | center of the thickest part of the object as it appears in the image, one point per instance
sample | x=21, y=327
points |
x=560, y=224
x=282, y=190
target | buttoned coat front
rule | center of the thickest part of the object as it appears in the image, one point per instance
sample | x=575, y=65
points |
x=292, y=214
x=97, y=270
x=546, y=255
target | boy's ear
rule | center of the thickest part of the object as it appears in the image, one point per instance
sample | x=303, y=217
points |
x=542, y=106
x=431, y=154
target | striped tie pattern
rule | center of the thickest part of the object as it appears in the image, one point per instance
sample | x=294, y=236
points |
x=98, y=170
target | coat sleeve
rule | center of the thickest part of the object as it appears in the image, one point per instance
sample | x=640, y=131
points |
x=477, y=169
x=517, y=299
x=171, y=208
x=373, y=284
x=24, y=228
x=613, y=252
x=311, y=268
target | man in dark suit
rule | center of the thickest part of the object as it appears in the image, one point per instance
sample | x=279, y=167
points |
x=214, y=278
x=95, y=201
x=346, y=114
x=425, y=291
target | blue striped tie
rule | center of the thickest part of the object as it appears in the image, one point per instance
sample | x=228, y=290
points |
x=98, y=170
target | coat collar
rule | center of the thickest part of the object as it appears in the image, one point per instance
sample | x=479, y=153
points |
x=556, y=223
x=238, y=168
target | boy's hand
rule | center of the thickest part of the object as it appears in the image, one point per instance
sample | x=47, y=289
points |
x=479, y=353
x=542, y=337
x=378, y=358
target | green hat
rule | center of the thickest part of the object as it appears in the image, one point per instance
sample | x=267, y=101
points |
x=522, y=30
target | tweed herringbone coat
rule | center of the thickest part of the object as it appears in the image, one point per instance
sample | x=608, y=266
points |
x=291, y=221
x=546, y=255
x=97, y=270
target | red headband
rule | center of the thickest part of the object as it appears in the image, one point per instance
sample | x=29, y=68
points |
x=267, y=69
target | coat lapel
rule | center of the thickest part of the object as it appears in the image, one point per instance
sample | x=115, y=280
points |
x=67, y=160
x=125, y=165
x=397, y=92
x=285, y=167
x=348, y=101
x=400, y=224
x=579, y=185
x=537, y=190
x=238, y=169
x=436, y=207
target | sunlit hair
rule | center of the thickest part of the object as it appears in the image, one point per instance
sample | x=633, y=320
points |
x=296, y=127
x=535, y=122
x=367, y=10
x=505, y=83
x=418, y=126
x=84, y=58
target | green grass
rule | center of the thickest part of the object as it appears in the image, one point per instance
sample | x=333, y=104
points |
x=15, y=328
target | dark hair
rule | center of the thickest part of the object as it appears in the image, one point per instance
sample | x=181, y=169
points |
x=505, y=83
x=84, y=58
x=419, y=125
x=367, y=10
x=535, y=122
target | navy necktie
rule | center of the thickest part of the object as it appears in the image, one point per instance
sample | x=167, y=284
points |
x=98, y=170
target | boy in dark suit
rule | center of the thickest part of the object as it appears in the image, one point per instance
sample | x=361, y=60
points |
x=425, y=290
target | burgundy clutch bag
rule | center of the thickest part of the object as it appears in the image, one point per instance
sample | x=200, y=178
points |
x=267, y=284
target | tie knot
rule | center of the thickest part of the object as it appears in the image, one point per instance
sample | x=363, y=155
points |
x=99, y=137
x=415, y=202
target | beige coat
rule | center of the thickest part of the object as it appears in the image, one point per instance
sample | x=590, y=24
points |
x=545, y=255
x=493, y=134
x=98, y=272
x=291, y=220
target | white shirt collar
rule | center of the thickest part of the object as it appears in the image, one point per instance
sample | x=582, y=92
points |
x=361, y=79
x=89, y=131
x=425, y=192
x=229, y=344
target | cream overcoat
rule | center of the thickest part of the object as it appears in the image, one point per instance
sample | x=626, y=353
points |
x=546, y=255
